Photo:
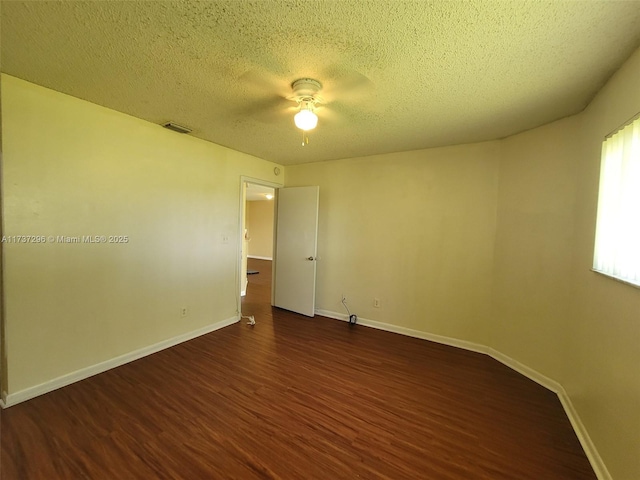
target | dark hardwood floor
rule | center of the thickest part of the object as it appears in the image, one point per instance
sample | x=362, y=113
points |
x=296, y=398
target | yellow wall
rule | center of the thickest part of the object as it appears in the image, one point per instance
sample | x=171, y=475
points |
x=534, y=246
x=73, y=168
x=605, y=323
x=551, y=311
x=419, y=231
x=3, y=348
x=414, y=229
x=260, y=225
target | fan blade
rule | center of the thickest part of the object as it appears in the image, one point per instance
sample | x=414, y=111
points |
x=263, y=97
x=255, y=83
x=346, y=84
x=344, y=112
x=327, y=115
x=267, y=110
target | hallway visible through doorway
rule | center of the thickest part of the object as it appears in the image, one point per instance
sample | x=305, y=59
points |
x=257, y=301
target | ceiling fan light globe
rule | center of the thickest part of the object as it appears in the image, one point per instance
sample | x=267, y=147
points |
x=305, y=120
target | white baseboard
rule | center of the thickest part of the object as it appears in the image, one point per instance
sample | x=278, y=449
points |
x=259, y=258
x=28, y=393
x=474, y=347
x=590, y=450
x=585, y=440
x=530, y=373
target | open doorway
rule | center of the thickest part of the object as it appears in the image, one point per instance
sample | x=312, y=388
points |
x=290, y=282
x=257, y=249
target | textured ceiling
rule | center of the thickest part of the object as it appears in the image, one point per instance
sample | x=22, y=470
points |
x=397, y=75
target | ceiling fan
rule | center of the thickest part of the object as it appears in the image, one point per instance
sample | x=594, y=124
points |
x=340, y=95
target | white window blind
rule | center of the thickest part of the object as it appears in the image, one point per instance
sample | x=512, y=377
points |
x=617, y=248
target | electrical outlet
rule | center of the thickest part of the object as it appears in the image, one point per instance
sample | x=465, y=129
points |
x=184, y=311
x=225, y=239
x=376, y=303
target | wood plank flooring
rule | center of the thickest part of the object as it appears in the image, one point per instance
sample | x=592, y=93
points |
x=295, y=398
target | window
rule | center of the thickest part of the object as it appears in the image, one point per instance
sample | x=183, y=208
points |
x=617, y=250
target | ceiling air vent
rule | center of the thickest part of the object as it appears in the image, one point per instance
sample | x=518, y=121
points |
x=176, y=128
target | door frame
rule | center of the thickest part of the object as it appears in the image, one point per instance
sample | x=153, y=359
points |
x=242, y=212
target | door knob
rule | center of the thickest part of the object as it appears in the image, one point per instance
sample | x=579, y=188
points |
x=310, y=259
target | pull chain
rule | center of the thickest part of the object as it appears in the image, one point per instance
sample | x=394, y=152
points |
x=305, y=138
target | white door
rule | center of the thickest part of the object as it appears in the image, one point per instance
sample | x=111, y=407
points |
x=295, y=252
